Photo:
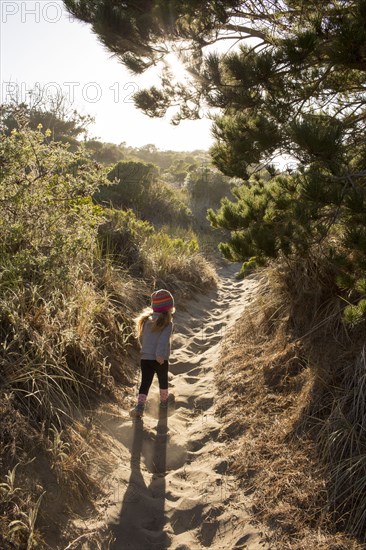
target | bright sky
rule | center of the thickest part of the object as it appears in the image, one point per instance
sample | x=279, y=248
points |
x=39, y=42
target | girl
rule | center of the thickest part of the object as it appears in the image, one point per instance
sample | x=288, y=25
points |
x=154, y=329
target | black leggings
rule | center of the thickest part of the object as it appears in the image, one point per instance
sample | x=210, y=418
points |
x=148, y=368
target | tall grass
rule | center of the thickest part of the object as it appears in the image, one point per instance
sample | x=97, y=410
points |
x=342, y=444
x=62, y=349
x=158, y=257
x=292, y=385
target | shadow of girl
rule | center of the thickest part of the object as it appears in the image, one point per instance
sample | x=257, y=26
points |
x=142, y=518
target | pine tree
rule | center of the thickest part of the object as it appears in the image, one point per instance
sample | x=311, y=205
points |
x=293, y=85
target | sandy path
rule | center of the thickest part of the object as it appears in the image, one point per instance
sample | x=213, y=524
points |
x=171, y=489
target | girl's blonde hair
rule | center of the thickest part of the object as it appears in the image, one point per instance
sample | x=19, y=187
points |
x=165, y=317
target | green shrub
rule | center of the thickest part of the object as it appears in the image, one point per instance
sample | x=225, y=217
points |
x=165, y=205
x=48, y=223
x=134, y=186
x=129, y=186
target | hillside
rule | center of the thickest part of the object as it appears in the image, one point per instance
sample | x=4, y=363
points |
x=270, y=407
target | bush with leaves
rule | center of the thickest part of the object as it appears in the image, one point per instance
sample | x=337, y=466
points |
x=48, y=222
x=54, y=112
x=166, y=206
x=105, y=153
x=130, y=184
x=134, y=185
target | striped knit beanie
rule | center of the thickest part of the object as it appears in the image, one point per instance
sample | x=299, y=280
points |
x=161, y=300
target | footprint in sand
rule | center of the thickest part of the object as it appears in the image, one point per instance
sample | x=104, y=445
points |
x=174, y=486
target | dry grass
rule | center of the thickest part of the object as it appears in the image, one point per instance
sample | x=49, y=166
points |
x=169, y=257
x=64, y=350
x=178, y=271
x=285, y=375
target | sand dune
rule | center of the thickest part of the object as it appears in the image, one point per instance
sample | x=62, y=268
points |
x=172, y=489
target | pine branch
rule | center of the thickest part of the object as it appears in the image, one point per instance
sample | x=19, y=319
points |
x=264, y=15
x=247, y=30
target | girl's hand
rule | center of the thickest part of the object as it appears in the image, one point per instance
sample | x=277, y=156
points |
x=160, y=359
